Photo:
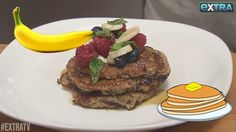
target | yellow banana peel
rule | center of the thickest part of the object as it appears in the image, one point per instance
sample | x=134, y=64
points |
x=47, y=43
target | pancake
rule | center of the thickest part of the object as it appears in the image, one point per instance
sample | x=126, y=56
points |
x=118, y=88
x=202, y=94
x=123, y=82
x=112, y=87
x=150, y=62
x=181, y=102
x=128, y=100
x=204, y=110
x=167, y=106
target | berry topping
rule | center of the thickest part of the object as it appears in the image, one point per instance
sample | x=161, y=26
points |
x=123, y=29
x=113, y=44
x=120, y=62
x=85, y=54
x=128, y=34
x=133, y=55
x=104, y=33
x=102, y=45
x=140, y=40
x=96, y=29
x=119, y=32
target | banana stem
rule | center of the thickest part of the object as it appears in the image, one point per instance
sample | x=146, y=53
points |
x=16, y=15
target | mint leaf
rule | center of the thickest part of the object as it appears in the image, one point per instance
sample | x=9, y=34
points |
x=122, y=44
x=95, y=67
x=133, y=45
x=117, y=46
x=104, y=33
x=117, y=21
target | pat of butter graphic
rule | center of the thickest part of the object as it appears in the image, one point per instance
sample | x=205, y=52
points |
x=193, y=86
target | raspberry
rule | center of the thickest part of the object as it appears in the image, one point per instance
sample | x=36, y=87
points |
x=123, y=29
x=85, y=54
x=119, y=32
x=102, y=45
x=140, y=40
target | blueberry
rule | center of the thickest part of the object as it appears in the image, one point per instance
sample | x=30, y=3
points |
x=96, y=29
x=133, y=55
x=120, y=62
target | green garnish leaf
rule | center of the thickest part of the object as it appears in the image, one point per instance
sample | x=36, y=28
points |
x=95, y=67
x=104, y=33
x=133, y=45
x=122, y=44
x=117, y=21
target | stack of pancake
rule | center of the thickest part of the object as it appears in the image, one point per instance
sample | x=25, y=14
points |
x=118, y=87
x=192, y=99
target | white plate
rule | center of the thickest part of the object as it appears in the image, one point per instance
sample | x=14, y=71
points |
x=201, y=117
x=29, y=91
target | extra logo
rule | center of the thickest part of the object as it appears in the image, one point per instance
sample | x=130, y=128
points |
x=216, y=7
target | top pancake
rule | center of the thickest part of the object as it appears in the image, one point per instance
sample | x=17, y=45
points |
x=151, y=67
x=204, y=93
x=150, y=62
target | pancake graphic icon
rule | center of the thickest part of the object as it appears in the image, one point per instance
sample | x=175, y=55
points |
x=194, y=102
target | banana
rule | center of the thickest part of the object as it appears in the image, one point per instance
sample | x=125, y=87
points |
x=47, y=43
x=102, y=58
x=120, y=52
x=128, y=34
x=111, y=27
